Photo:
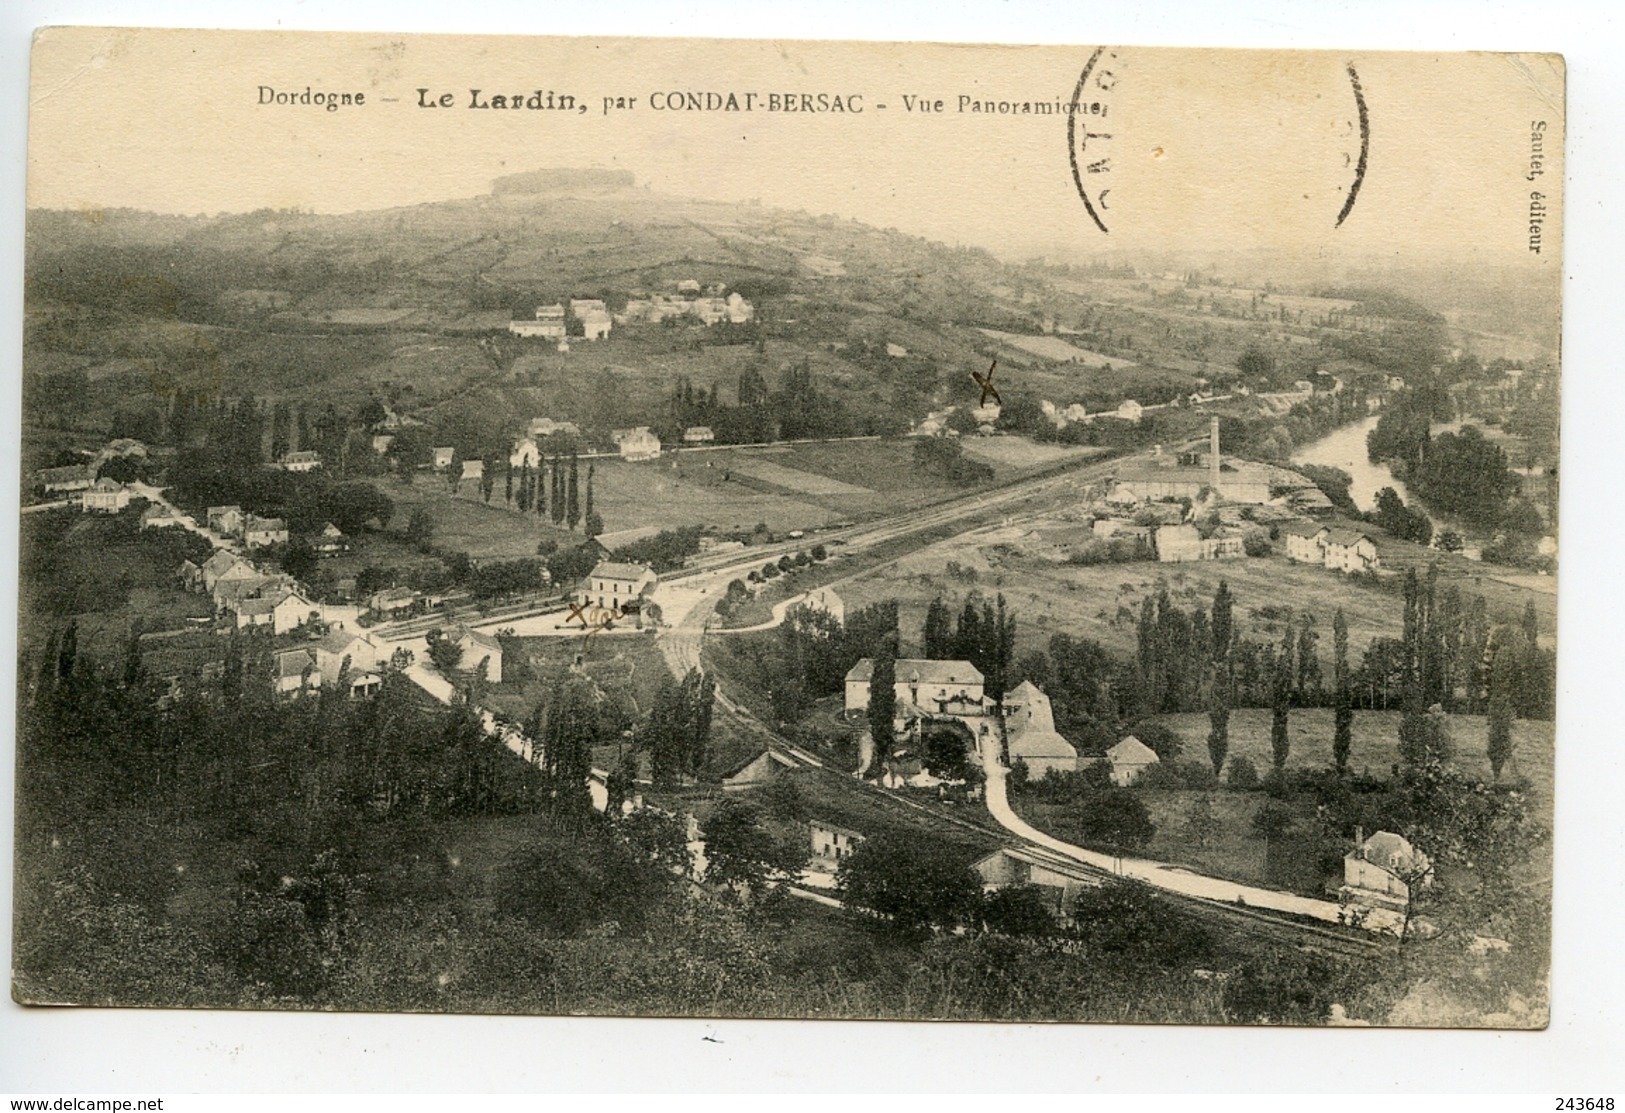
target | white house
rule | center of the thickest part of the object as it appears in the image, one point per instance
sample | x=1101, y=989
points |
x=340, y=646
x=473, y=470
x=593, y=315
x=1030, y=726
x=223, y=564
x=225, y=520
x=699, y=434
x=824, y=599
x=159, y=516
x=612, y=584
x=392, y=601
x=382, y=441
x=65, y=480
x=1349, y=550
x=1130, y=410
x=1306, y=541
x=290, y=611
x=443, y=457
x=479, y=647
x=943, y=687
x=548, y=323
x=330, y=542
x=761, y=767
x=258, y=533
x=296, y=672
x=106, y=496
x=1130, y=758
x=1379, y=871
x=638, y=444
x=525, y=454
x=831, y=844
x=300, y=461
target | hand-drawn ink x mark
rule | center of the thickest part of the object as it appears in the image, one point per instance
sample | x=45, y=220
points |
x=986, y=383
x=576, y=610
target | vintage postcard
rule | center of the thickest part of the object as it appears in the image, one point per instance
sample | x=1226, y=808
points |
x=788, y=529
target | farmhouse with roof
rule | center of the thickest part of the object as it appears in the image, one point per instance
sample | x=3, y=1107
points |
x=1030, y=725
x=1351, y=550
x=225, y=520
x=548, y=323
x=296, y=673
x=1059, y=879
x=63, y=481
x=260, y=533
x=478, y=647
x=159, y=516
x=443, y=456
x=1129, y=759
x=339, y=647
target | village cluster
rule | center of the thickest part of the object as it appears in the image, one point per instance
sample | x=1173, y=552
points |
x=710, y=305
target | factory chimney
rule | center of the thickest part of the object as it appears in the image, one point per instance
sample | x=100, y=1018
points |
x=1213, y=456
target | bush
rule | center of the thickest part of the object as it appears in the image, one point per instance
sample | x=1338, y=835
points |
x=1194, y=775
x=1290, y=992
x=1256, y=543
x=1242, y=775
x=1126, y=920
x=1161, y=738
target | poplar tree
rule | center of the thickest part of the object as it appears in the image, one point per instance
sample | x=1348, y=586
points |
x=1343, y=716
x=572, y=513
x=1503, y=681
x=882, y=708
x=1281, y=698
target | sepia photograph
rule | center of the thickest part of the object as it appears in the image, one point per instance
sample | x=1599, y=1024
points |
x=742, y=528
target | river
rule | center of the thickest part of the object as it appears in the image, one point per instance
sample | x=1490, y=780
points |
x=1345, y=449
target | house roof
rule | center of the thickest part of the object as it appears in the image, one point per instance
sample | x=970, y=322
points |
x=755, y=756
x=1385, y=846
x=301, y=457
x=484, y=641
x=1304, y=529
x=256, y=524
x=1026, y=692
x=338, y=641
x=1039, y=742
x=330, y=530
x=294, y=662
x=1131, y=751
x=619, y=570
x=263, y=604
x=927, y=671
x=106, y=484
x=1347, y=536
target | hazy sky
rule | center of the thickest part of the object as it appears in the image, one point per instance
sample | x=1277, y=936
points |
x=1208, y=150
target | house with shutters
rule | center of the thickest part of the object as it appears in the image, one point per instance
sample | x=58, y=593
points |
x=1380, y=871
x=302, y=461
x=1305, y=541
x=106, y=496
x=1350, y=550
x=831, y=844
x=923, y=687
x=613, y=584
